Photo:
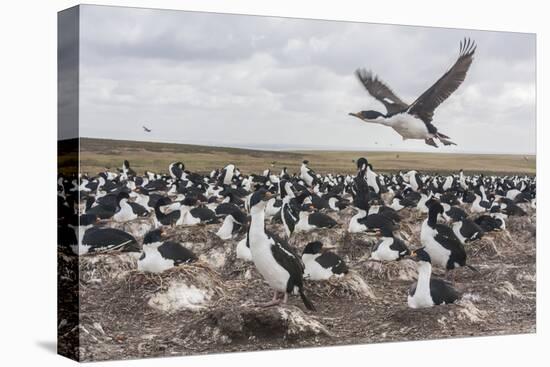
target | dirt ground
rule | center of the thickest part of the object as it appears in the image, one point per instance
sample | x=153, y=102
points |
x=127, y=314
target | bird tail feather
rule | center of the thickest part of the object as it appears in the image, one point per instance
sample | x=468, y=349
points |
x=444, y=139
x=306, y=301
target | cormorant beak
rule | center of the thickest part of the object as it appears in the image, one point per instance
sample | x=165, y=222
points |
x=329, y=247
x=412, y=256
x=355, y=115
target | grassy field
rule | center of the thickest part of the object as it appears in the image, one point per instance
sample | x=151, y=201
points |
x=98, y=154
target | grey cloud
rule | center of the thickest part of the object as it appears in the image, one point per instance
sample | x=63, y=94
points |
x=229, y=79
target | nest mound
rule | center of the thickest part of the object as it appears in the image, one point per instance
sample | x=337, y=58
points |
x=137, y=227
x=101, y=268
x=284, y=322
x=522, y=228
x=357, y=246
x=349, y=286
x=189, y=286
x=235, y=268
x=202, y=240
x=403, y=270
x=327, y=236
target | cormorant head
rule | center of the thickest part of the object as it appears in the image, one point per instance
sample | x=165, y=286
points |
x=162, y=202
x=369, y=115
x=362, y=164
x=260, y=197
x=386, y=231
x=305, y=161
x=420, y=255
x=153, y=236
x=436, y=206
x=307, y=208
x=122, y=195
x=313, y=248
x=87, y=219
x=190, y=201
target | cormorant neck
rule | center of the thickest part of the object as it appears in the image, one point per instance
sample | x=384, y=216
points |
x=257, y=222
x=424, y=275
x=432, y=218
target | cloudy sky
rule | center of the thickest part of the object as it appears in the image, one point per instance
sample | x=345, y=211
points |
x=279, y=83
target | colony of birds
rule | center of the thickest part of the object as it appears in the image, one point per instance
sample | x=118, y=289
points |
x=224, y=240
x=188, y=262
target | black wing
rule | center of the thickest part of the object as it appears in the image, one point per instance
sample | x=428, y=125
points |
x=470, y=229
x=381, y=92
x=446, y=237
x=287, y=258
x=331, y=260
x=175, y=251
x=205, y=214
x=319, y=202
x=284, y=244
x=226, y=209
x=289, y=217
x=107, y=238
x=456, y=213
x=101, y=212
x=442, y=292
x=377, y=221
x=389, y=213
x=321, y=220
x=313, y=175
x=176, y=170
x=139, y=209
x=399, y=246
x=426, y=104
x=412, y=289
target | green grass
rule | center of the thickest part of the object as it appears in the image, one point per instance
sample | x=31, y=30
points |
x=98, y=154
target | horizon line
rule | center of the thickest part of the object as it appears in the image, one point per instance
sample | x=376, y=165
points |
x=296, y=148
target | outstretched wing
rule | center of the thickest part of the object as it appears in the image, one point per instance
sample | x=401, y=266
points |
x=381, y=91
x=426, y=104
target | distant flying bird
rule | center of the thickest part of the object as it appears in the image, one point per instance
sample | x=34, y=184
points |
x=414, y=121
x=147, y=130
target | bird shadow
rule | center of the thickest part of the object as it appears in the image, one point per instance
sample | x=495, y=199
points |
x=48, y=345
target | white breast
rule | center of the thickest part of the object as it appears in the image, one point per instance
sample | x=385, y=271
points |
x=275, y=275
x=409, y=127
x=303, y=223
x=384, y=252
x=313, y=270
x=225, y=231
x=125, y=213
x=354, y=226
x=456, y=229
x=438, y=253
x=422, y=296
x=153, y=261
x=270, y=209
x=395, y=205
x=243, y=252
x=476, y=208
x=420, y=300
